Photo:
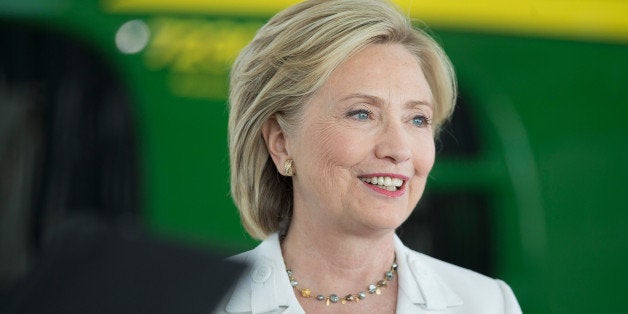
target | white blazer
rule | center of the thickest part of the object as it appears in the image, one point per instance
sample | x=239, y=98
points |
x=426, y=285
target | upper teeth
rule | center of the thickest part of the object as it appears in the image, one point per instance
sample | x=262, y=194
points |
x=387, y=182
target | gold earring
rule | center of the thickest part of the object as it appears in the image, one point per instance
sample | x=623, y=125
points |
x=287, y=166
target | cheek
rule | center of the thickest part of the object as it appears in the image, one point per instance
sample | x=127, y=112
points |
x=331, y=150
x=423, y=159
x=424, y=155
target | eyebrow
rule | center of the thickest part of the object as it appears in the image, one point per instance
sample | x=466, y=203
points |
x=379, y=100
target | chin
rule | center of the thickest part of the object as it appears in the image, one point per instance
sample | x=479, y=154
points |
x=388, y=221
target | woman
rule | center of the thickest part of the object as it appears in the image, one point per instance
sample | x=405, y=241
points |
x=334, y=109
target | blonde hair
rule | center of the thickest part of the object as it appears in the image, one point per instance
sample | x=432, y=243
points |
x=287, y=62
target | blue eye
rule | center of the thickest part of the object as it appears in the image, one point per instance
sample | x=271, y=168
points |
x=420, y=121
x=361, y=114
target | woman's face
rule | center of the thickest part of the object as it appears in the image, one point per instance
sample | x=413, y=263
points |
x=365, y=147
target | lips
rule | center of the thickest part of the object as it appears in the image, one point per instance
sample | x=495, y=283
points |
x=384, y=182
x=387, y=184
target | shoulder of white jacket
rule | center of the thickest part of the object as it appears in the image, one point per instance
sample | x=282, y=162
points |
x=260, y=288
x=466, y=287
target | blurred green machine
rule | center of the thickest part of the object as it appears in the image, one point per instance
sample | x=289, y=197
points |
x=529, y=183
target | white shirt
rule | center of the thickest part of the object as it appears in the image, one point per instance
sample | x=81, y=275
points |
x=425, y=285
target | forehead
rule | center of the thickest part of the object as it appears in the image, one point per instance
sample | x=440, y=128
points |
x=388, y=71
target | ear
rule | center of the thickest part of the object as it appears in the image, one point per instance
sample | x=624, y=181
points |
x=276, y=142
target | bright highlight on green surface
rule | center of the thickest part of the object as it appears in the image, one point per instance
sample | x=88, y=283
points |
x=583, y=20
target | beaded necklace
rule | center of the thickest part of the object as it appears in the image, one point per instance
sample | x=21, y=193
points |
x=374, y=288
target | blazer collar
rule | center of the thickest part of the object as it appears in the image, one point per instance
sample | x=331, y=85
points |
x=419, y=285
x=265, y=286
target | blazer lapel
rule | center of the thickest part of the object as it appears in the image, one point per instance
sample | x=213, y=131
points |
x=265, y=286
x=420, y=288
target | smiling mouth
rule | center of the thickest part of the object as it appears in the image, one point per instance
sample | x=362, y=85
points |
x=386, y=183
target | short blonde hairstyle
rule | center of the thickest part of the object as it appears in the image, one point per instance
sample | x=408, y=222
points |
x=284, y=65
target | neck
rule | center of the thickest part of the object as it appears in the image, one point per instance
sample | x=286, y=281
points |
x=337, y=262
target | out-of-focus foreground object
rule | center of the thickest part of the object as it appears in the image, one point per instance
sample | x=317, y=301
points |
x=88, y=268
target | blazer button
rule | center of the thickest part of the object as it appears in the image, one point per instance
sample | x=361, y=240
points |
x=261, y=273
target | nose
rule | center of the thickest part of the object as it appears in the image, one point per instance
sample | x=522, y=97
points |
x=394, y=143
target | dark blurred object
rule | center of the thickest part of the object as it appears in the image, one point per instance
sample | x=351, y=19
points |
x=67, y=143
x=459, y=137
x=92, y=269
x=454, y=226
